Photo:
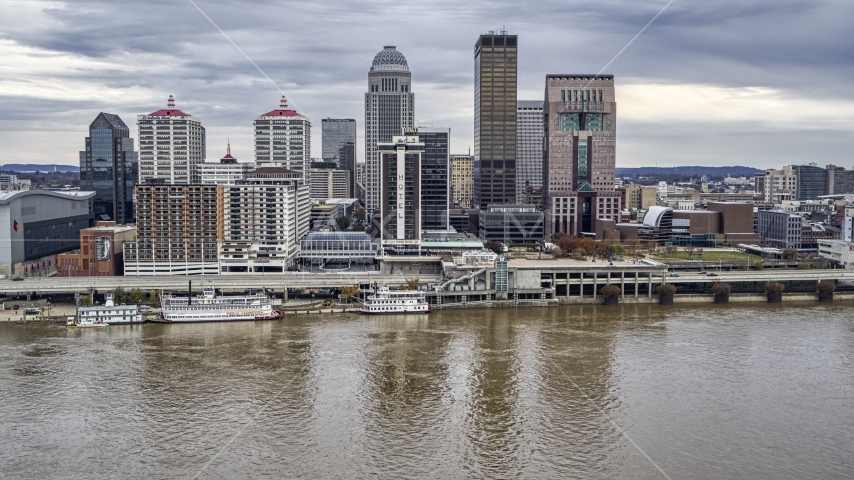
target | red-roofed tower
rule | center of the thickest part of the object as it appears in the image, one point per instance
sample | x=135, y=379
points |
x=171, y=146
x=283, y=137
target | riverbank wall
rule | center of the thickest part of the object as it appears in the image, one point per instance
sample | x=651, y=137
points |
x=310, y=308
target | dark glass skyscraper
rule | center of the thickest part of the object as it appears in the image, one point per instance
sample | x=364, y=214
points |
x=108, y=166
x=435, y=167
x=495, y=120
x=339, y=146
x=812, y=181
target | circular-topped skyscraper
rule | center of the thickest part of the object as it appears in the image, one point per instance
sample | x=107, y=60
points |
x=389, y=108
x=389, y=59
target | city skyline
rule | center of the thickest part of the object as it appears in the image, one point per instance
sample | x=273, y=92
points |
x=697, y=74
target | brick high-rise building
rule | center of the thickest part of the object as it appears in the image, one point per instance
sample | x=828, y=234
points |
x=171, y=146
x=495, y=64
x=176, y=231
x=580, y=120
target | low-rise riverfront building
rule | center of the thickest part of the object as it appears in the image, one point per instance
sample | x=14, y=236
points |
x=511, y=224
x=35, y=225
x=101, y=252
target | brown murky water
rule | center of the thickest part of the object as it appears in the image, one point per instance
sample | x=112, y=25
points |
x=754, y=391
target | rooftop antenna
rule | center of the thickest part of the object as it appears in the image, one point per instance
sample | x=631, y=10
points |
x=228, y=149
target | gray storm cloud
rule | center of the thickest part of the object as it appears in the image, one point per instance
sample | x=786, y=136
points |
x=66, y=62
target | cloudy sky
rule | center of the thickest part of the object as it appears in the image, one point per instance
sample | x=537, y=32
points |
x=760, y=83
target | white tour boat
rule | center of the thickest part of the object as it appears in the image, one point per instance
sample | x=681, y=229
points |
x=398, y=301
x=73, y=322
x=109, y=313
x=210, y=307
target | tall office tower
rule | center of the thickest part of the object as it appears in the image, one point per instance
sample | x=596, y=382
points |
x=580, y=119
x=495, y=120
x=339, y=146
x=462, y=180
x=435, y=177
x=529, y=147
x=171, y=146
x=283, y=138
x=389, y=108
x=108, y=167
x=400, y=184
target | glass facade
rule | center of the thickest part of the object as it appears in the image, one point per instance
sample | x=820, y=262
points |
x=495, y=120
x=582, y=163
x=435, y=166
x=108, y=167
x=812, y=182
x=339, y=147
x=529, y=148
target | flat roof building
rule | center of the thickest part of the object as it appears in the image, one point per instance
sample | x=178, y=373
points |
x=511, y=224
x=38, y=224
x=101, y=252
x=529, y=147
x=495, y=72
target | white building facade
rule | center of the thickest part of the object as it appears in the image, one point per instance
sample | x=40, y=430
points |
x=329, y=183
x=227, y=171
x=171, y=146
x=263, y=221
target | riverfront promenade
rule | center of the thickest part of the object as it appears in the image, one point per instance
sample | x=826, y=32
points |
x=276, y=281
x=279, y=281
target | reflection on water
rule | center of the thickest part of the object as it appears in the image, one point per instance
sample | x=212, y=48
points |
x=754, y=391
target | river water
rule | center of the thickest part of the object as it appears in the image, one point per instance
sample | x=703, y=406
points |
x=634, y=391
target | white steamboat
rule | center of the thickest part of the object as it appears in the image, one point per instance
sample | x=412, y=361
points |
x=210, y=307
x=385, y=301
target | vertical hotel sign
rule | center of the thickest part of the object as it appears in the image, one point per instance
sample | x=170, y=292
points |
x=401, y=191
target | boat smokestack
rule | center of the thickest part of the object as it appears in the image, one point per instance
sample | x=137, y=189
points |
x=190, y=293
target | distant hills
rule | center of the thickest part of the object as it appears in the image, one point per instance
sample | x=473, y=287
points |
x=695, y=171
x=27, y=167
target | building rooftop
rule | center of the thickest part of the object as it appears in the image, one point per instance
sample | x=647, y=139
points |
x=6, y=197
x=389, y=59
x=168, y=113
x=272, y=171
x=282, y=111
x=600, y=264
x=577, y=75
x=111, y=228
